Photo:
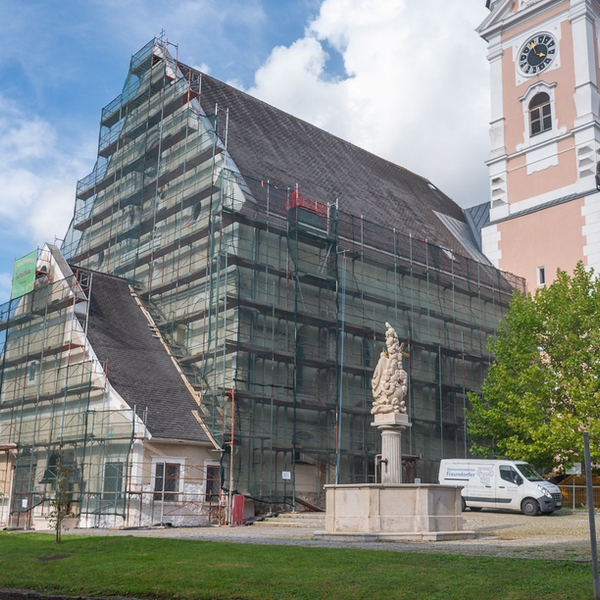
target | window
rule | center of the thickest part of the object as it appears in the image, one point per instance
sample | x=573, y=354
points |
x=213, y=483
x=540, y=126
x=529, y=472
x=367, y=352
x=304, y=335
x=50, y=472
x=113, y=482
x=166, y=481
x=540, y=113
x=509, y=474
x=33, y=368
x=541, y=275
x=68, y=466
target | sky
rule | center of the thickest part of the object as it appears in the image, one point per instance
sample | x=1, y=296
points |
x=405, y=79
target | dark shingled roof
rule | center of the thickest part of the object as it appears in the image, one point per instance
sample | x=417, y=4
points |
x=139, y=367
x=267, y=143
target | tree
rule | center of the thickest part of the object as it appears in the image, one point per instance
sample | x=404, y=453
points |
x=543, y=388
x=61, y=503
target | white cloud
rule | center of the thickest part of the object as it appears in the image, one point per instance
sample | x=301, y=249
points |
x=203, y=68
x=293, y=79
x=37, y=181
x=415, y=90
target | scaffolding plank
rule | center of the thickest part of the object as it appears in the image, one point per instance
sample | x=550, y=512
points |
x=53, y=307
x=34, y=398
x=50, y=351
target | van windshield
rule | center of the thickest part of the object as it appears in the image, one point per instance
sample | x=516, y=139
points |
x=529, y=473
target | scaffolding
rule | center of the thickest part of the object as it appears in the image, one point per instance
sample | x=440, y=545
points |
x=52, y=397
x=55, y=399
x=246, y=280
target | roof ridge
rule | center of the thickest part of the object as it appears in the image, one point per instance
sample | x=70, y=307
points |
x=312, y=125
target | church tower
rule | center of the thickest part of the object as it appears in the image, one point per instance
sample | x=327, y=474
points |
x=545, y=134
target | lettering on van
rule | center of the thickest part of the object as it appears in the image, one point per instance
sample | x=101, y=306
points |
x=460, y=473
x=484, y=474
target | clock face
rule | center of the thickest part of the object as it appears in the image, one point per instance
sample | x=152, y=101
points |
x=537, y=54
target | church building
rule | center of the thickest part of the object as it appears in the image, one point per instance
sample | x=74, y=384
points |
x=251, y=261
x=544, y=129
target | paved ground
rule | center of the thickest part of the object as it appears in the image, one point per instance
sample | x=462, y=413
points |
x=561, y=536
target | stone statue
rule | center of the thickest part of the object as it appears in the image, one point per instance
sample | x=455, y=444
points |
x=389, y=379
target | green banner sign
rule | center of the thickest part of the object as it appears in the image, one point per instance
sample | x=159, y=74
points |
x=24, y=275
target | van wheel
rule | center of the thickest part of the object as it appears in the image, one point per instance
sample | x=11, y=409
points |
x=475, y=508
x=530, y=507
x=464, y=504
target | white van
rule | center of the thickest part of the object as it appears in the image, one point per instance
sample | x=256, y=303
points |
x=501, y=484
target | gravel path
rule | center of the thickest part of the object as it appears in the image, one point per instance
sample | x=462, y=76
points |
x=561, y=536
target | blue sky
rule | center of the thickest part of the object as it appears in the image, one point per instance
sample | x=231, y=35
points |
x=405, y=79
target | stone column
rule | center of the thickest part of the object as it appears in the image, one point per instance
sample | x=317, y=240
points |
x=391, y=425
x=391, y=457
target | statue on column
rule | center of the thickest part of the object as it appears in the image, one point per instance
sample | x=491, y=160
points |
x=390, y=380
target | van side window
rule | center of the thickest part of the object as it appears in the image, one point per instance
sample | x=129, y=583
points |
x=508, y=474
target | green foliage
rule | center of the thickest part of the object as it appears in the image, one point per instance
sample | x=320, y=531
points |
x=61, y=503
x=544, y=388
x=167, y=569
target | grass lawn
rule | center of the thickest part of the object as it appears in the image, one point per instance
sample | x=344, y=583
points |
x=168, y=568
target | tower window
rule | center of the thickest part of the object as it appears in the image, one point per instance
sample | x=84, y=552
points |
x=541, y=275
x=33, y=368
x=540, y=113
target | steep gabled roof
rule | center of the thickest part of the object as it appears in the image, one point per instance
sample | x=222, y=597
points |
x=267, y=143
x=138, y=366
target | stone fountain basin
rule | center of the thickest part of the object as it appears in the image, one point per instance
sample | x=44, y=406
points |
x=393, y=512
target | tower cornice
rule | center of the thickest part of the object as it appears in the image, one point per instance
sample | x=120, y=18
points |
x=502, y=19
x=495, y=52
x=523, y=151
x=579, y=10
